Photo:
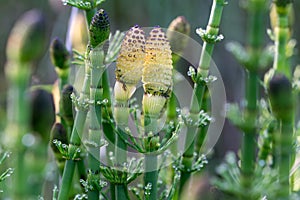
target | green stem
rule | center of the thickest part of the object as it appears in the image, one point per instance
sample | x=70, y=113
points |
x=96, y=92
x=107, y=127
x=151, y=175
x=249, y=143
x=198, y=92
x=151, y=171
x=18, y=123
x=202, y=131
x=286, y=139
x=121, y=116
x=281, y=40
x=76, y=135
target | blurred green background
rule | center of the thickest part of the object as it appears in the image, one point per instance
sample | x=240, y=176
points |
x=147, y=13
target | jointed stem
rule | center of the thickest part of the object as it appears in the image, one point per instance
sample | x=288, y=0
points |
x=249, y=143
x=121, y=112
x=281, y=39
x=285, y=137
x=96, y=92
x=76, y=135
x=285, y=141
x=107, y=127
x=198, y=93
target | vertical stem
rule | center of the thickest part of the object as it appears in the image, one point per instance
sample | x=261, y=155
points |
x=18, y=124
x=198, y=92
x=285, y=157
x=121, y=116
x=107, y=127
x=121, y=158
x=94, y=150
x=151, y=171
x=286, y=118
x=256, y=11
x=281, y=39
x=76, y=135
x=202, y=131
x=96, y=92
x=249, y=143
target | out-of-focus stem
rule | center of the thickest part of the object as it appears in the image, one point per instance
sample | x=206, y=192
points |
x=257, y=11
x=18, y=123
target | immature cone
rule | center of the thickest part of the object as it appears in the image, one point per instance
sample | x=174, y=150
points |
x=99, y=28
x=59, y=55
x=67, y=104
x=157, y=72
x=178, y=41
x=27, y=38
x=58, y=133
x=42, y=112
x=129, y=63
x=281, y=97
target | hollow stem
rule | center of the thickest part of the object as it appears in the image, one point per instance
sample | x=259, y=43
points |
x=198, y=91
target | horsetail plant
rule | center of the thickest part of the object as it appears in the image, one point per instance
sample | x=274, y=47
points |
x=278, y=125
x=128, y=73
x=97, y=114
x=99, y=32
x=94, y=57
x=210, y=37
x=157, y=83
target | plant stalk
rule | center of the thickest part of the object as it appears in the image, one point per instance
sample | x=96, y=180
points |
x=198, y=92
x=76, y=135
x=249, y=143
x=281, y=39
x=151, y=162
x=285, y=158
x=18, y=121
x=96, y=92
x=121, y=113
x=256, y=11
x=107, y=126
